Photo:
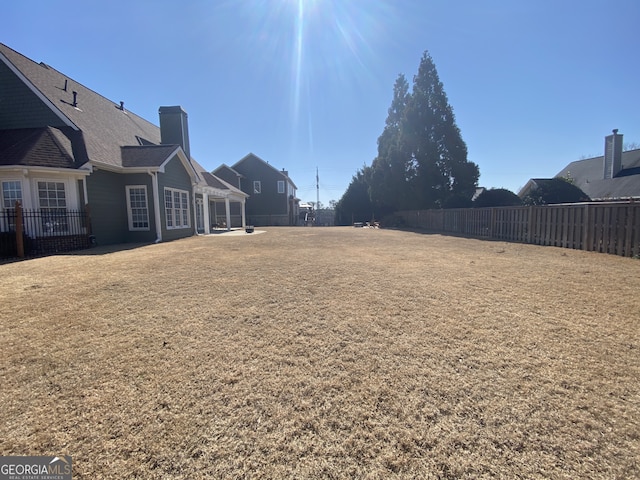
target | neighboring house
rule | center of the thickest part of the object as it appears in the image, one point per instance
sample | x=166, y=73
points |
x=63, y=146
x=542, y=191
x=272, y=194
x=612, y=176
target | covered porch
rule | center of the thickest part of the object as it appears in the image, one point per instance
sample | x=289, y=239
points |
x=217, y=209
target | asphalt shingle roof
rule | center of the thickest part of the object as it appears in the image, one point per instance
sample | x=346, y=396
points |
x=41, y=147
x=146, y=155
x=105, y=126
x=99, y=130
x=588, y=174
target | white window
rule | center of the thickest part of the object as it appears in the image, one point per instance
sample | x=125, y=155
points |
x=137, y=209
x=280, y=186
x=257, y=186
x=176, y=206
x=11, y=193
x=53, y=206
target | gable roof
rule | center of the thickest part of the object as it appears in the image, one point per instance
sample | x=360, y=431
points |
x=254, y=156
x=213, y=181
x=226, y=167
x=146, y=155
x=105, y=126
x=96, y=129
x=588, y=176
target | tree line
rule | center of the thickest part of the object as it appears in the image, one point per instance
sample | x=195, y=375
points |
x=422, y=159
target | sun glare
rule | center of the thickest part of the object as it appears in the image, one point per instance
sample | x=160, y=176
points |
x=321, y=46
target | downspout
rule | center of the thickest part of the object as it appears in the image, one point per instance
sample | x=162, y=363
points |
x=193, y=209
x=244, y=213
x=156, y=204
x=206, y=216
x=84, y=189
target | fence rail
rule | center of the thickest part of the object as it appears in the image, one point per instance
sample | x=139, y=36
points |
x=38, y=232
x=598, y=227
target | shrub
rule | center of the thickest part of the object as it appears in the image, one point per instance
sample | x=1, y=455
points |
x=497, y=197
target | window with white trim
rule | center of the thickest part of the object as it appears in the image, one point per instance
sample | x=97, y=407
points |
x=137, y=208
x=11, y=193
x=52, y=201
x=257, y=186
x=176, y=207
x=280, y=186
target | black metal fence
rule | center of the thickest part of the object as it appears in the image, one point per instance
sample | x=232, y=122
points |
x=41, y=232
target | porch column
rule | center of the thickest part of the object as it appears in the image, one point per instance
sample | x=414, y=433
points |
x=227, y=209
x=205, y=213
x=244, y=215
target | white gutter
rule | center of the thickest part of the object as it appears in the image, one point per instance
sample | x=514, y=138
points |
x=73, y=172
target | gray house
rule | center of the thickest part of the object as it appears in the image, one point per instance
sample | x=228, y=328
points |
x=64, y=147
x=272, y=194
x=612, y=176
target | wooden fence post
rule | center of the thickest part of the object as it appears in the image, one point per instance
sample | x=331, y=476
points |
x=530, y=224
x=19, y=231
x=586, y=231
x=492, y=225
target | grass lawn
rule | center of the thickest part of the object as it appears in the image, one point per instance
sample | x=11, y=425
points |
x=324, y=353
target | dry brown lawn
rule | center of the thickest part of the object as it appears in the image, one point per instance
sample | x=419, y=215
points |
x=324, y=353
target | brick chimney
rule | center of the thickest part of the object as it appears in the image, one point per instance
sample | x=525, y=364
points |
x=612, y=154
x=174, y=128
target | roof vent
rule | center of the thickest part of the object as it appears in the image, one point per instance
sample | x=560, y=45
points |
x=65, y=85
x=75, y=99
x=122, y=106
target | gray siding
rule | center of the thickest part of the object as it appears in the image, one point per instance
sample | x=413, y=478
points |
x=21, y=108
x=228, y=176
x=269, y=202
x=140, y=236
x=175, y=176
x=108, y=206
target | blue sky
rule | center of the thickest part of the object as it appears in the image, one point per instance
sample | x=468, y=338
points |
x=306, y=84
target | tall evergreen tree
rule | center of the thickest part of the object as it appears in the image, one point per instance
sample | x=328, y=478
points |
x=388, y=176
x=422, y=159
x=355, y=204
x=438, y=169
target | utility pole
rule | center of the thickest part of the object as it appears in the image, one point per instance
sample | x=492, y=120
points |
x=317, y=195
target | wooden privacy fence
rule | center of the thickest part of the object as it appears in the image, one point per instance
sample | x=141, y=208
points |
x=598, y=227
